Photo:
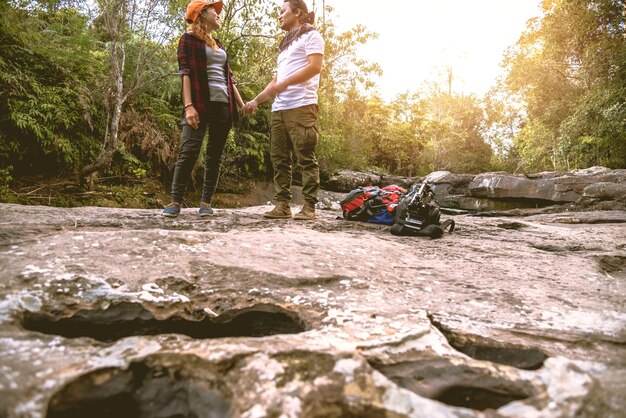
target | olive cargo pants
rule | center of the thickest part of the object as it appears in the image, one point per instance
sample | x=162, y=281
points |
x=294, y=131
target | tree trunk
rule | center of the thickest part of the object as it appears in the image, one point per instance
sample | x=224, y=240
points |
x=104, y=159
x=125, y=20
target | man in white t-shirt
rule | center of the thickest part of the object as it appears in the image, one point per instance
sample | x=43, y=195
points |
x=294, y=111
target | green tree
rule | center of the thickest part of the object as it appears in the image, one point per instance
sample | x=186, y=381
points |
x=454, y=130
x=47, y=112
x=569, y=67
x=134, y=33
x=345, y=80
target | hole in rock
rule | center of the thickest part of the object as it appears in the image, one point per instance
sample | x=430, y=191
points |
x=476, y=398
x=137, y=392
x=456, y=384
x=130, y=319
x=519, y=357
x=522, y=358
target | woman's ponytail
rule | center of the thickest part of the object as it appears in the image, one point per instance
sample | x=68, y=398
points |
x=199, y=28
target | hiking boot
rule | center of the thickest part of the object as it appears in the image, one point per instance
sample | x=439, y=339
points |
x=172, y=210
x=205, y=209
x=280, y=211
x=307, y=212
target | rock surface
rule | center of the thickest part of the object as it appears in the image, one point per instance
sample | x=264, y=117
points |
x=120, y=313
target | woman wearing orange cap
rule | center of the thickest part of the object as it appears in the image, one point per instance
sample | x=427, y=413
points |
x=210, y=99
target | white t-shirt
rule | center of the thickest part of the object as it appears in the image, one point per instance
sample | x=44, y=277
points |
x=290, y=61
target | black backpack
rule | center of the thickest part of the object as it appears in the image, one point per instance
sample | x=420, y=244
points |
x=418, y=214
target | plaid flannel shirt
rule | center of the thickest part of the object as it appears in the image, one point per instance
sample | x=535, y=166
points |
x=192, y=61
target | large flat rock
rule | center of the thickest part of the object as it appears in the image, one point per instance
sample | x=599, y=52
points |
x=121, y=312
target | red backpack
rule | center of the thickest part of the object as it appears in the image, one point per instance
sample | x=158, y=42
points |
x=372, y=204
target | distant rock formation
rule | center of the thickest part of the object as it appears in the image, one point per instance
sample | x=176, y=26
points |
x=595, y=188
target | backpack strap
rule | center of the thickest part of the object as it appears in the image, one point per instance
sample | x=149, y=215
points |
x=447, y=223
x=431, y=231
x=436, y=231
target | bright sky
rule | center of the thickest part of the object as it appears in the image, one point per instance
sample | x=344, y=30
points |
x=419, y=39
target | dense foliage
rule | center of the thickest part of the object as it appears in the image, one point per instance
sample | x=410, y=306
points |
x=569, y=70
x=92, y=87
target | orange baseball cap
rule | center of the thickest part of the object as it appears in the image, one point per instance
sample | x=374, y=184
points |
x=196, y=6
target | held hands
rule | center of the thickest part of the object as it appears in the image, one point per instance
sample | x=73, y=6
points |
x=273, y=90
x=250, y=107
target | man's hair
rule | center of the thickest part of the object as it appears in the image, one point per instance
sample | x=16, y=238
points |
x=305, y=16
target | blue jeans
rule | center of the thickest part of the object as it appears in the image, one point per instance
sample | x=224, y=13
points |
x=218, y=122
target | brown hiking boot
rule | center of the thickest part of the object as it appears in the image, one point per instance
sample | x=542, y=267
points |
x=280, y=211
x=307, y=212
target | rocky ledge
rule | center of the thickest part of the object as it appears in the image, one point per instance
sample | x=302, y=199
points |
x=122, y=313
x=595, y=188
